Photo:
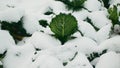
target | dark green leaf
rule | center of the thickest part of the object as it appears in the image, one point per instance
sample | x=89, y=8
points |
x=1, y=66
x=114, y=15
x=65, y=63
x=63, y=25
x=43, y=23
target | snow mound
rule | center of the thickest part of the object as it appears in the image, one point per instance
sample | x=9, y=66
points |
x=87, y=30
x=6, y=41
x=117, y=28
x=80, y=61
x=81, y=15
x=99, y=18
x=43, y=41
x=112, y=44
x=104, y=33
x=93, y=5
x=46, y=61
x=19, y=55
x=11, y=15
x=95, y=61
x=109, y=60
x=84, y=45
x=31, y=23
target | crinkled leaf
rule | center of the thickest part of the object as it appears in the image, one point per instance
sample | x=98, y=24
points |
x=63, y=25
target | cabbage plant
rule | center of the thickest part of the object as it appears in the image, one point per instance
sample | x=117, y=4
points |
x=63, y=26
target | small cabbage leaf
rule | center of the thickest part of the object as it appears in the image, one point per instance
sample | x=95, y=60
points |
x=63, y=25
x=114, y=15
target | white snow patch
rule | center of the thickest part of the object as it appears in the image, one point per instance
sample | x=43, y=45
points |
x=77, y=34
x=99, y=18
x=42, y=41
x=81, y=15
x=93, y=5
x=58, y=7
x=11, y=15
x=19, y=56
x=112, y=44
x=0, y=63
x=109, y=60
x=46, y=61
x=103, y=33
x=31, y=23
x=84, y=45
x=117, y=28
x=87, y=30
x=6, y=41
x=114, y=2
x=95, y=61
x=80, y=61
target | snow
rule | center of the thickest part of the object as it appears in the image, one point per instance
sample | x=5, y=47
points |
x=34, y=6
x=23, y=41
x=46, y=61
x=43, y=41
x=99, y=18
x=5, y=43
x=81, y=15
x=11, y=15
x=77, y=34
x=80, y=45
x=80, y=61
x=98, y=36
x=111, y=44
x=114, y=2
x=55, y=4
x=51, y=53
x=20, y=54
x=31, y=24
x=95, y=61
x=87, y=30
x=109, y=60
x=47, y=30
x=104, y=33
x=117, y=28
x=0, y=63
x=93, y=5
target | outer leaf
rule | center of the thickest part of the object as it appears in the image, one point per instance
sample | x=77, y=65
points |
x=114, y=15
x=63, y=26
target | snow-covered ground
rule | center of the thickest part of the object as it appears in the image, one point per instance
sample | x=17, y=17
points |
x=42, y=50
